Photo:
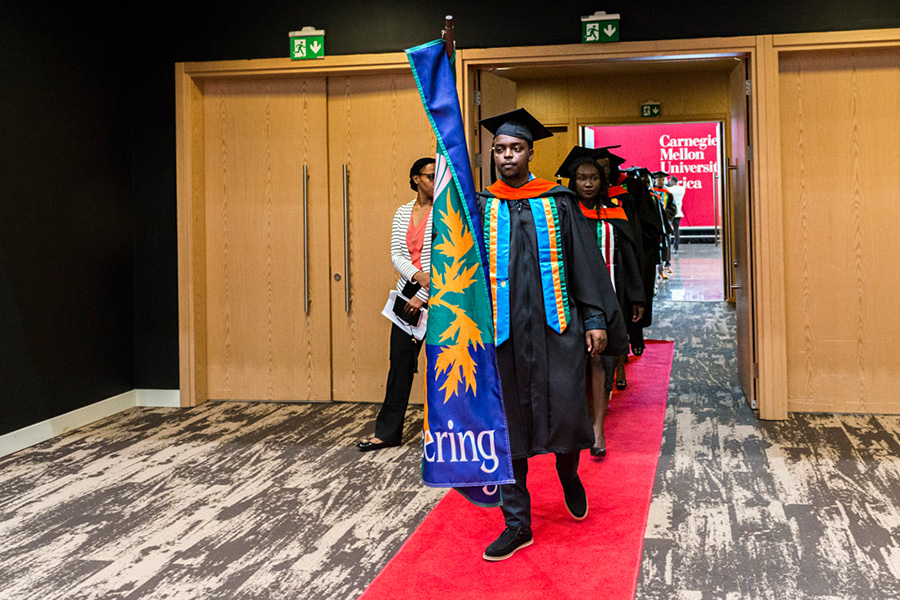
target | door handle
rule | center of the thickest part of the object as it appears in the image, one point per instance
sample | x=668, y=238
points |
x=306, y=238
x=346, y=240
x=736, y=287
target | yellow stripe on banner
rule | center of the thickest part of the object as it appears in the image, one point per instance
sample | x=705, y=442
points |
x=494, y=219
x=554, y=265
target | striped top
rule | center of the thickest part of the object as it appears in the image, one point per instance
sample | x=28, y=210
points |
x=400, y=256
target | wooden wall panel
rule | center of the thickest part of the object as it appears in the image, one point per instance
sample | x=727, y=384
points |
x=617, y=98
x=840, y=141
x=549, y=153
x=498, y=95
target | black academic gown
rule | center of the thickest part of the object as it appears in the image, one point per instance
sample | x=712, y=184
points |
x=542, y=372
x=629, y=250
x=629, y=285
x=652, y=230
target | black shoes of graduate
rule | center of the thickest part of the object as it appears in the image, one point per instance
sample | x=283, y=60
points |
x=576, y=498
x=369, y=445
x=514, y=538
x=509, y=541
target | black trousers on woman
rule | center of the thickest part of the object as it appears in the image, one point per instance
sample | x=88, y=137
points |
x=404, y=366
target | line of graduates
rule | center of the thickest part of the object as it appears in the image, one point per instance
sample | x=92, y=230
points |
x=572, y=271
x=632, y=234
x=667, y=209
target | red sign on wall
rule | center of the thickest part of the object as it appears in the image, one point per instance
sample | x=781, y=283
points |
x=688, y=151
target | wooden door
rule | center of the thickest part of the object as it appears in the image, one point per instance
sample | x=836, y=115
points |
x=377, y=129
x=262, y=343
x=740, y=252
x=549, y=153
x=498, y=95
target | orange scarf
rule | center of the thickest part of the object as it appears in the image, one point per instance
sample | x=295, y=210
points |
x=533, y=189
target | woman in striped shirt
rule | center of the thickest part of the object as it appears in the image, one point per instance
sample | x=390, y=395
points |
x=411, y=256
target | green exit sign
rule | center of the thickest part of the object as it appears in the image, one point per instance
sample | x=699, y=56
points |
x=651, y=109
x=600, y=27
x=307, y=44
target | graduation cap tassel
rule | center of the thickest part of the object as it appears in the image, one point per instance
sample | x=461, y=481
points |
x=447, y=36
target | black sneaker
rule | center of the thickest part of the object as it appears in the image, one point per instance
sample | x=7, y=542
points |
x=576, y=498
x=509, y=541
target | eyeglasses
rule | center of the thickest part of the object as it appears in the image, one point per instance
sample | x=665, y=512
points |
x=429, y=176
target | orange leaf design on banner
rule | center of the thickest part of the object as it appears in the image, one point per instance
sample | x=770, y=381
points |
x=455, y=359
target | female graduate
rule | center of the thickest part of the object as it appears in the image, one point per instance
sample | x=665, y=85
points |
x=618, y=245
x=634, y=196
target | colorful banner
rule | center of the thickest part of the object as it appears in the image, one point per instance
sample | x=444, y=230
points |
x=689, y=151
x=465, y=444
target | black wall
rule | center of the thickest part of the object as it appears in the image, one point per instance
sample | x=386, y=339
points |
x=87, y=153
x=66, y=228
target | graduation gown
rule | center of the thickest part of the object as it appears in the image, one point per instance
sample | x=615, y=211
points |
x=652, y=229
x=665, y=202
x=627, y=274
x=667, y=208
x=619, y=194
x=542, y=372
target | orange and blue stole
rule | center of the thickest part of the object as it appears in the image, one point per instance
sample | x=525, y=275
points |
x=550, y=254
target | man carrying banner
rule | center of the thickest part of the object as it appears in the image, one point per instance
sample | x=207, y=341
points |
x=553, y=305
x=465, y=444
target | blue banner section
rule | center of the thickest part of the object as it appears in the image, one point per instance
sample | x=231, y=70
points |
x=465, y=440
x=436, y=78
x=468, y=447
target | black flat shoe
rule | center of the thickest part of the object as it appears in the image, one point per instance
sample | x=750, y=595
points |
x=369, y=445
x=637, y=350
x=598, y=452
x=509, y=541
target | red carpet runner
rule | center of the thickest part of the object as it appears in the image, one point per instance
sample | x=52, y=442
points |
x=597, y=558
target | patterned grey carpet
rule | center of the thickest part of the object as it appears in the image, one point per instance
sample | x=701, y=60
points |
x=270, y=501
x=743, y=509
x=227, y=500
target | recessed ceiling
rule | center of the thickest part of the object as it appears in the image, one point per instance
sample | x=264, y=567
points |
x=618, y=67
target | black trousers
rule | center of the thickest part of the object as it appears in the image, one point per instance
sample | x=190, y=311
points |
x=516, y=505
x=635, y=334
x=404, y=365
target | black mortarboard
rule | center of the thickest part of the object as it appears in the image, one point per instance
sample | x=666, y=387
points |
x=638, y=171
x=518, y=124
x=656, y=174
x=614, y=159
x=577, y=157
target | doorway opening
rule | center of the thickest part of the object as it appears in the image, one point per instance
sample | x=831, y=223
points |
x=580, y=93
x=690, y=154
